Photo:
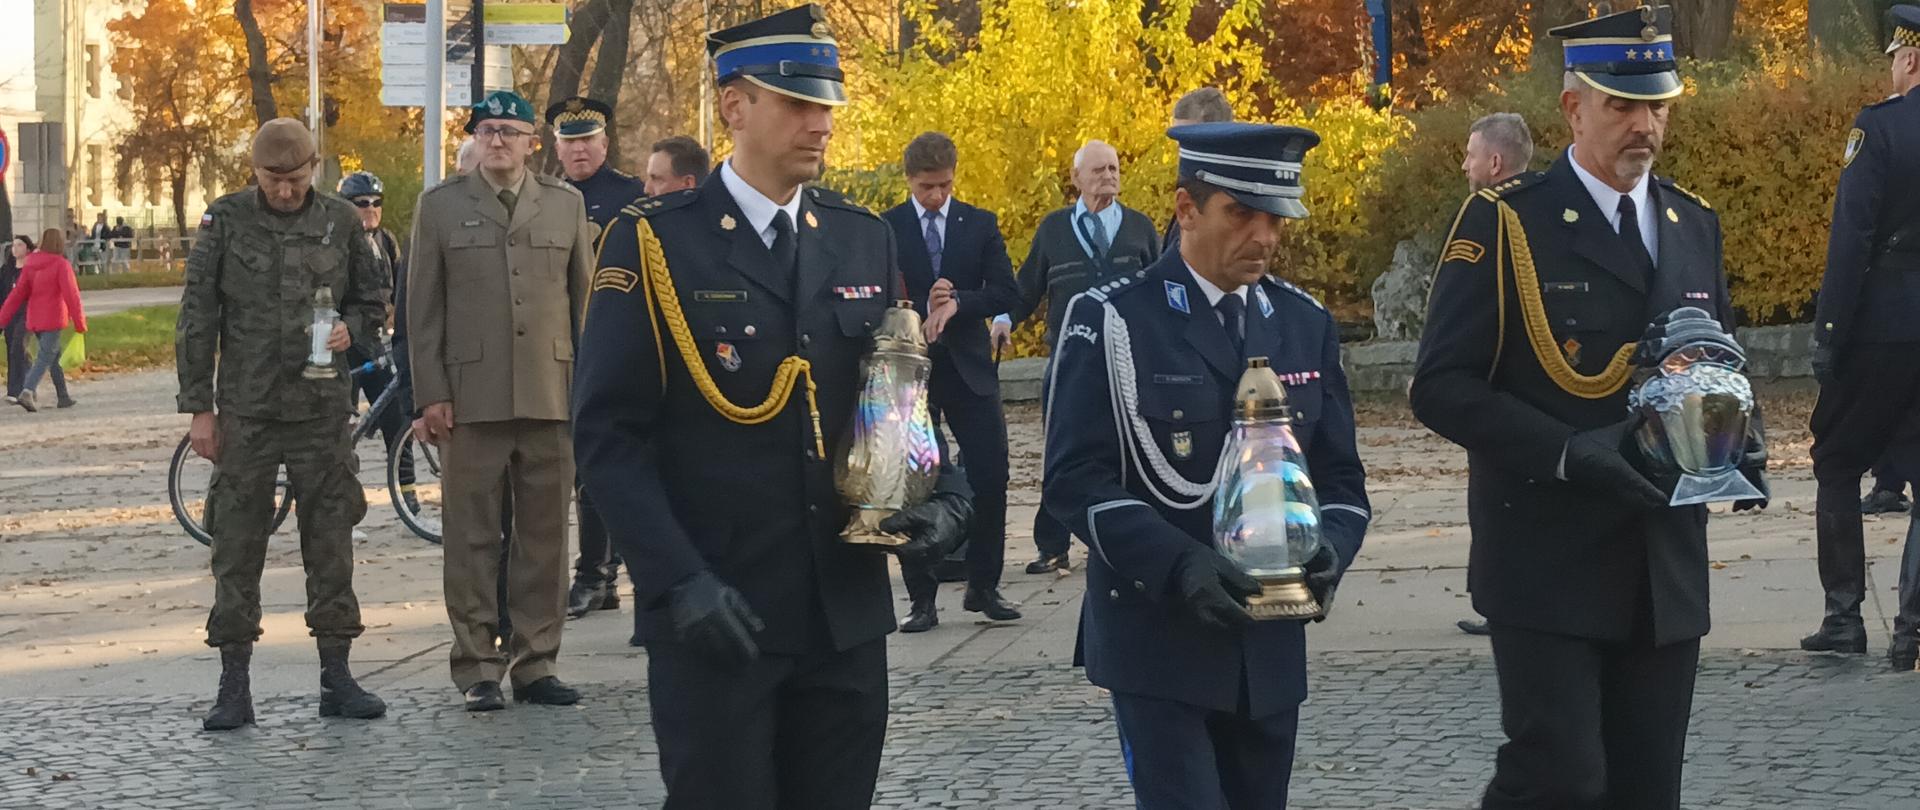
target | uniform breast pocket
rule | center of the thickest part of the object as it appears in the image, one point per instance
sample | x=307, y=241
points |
x=858, y=319
x=465, y=242
x=554, y=249
x=1186, y=414
x=1572, y=307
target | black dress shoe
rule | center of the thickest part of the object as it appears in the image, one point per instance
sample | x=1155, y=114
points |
x=923, y=618
x=1883, y=501
x=989, y=602
x=1048, y=564
x=609, y=599
x=1473, y=628
x=1903, y=653
x=548, y=691
x=485, y=697
x=1850, y=639
x=582, y=597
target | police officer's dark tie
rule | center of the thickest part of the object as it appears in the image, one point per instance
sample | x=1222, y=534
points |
x=934, y=243
x=784, y=248
x=1233, y=318
x=1636, y=246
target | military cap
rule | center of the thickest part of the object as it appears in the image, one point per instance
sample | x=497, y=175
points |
x=501, y=104
x=1904, y=22
x=1629, y=54
x=284, y=145
x=1259, y=164
x=578, y=117
x=791, y=53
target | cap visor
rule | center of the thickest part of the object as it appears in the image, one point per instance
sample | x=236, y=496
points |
x=805, y=88
x=567, y=136
x=1639, y=87
x=1277, y=206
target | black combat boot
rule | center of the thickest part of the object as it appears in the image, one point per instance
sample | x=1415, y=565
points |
x=1905, y=648
x=923, y=617
x=340, y=696
x=233, y=707
x=1842, y=554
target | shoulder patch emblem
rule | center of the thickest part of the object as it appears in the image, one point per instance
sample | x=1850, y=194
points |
x=615, y=278
x=1177, y=297
x=1465, y=250
x=1854, y=141
x=206, y=219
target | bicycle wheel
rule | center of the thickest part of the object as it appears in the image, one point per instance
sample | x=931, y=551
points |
x=188, y=477
x=418, y=503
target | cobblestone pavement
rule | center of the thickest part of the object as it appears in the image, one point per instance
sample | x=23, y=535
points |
x=1383, y=730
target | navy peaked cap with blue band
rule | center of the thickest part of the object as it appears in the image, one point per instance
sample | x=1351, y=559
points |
x=578, y=117
x=1629, y=54
x=792, y=53
x=1904, y=22
x=1258, y=164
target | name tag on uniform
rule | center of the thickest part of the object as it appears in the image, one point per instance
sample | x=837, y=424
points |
x=1176, y=379
x=471, y=223
x=720, y=296
x=1565, y=286
x=857, y=292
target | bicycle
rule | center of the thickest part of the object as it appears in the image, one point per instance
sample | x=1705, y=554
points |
x=417, y=506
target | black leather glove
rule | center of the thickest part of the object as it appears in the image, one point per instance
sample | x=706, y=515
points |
x=713, y=618
x=1753, y=465
x=933, y=529
x=1213, y=589
x=1825, y=370
x=1323, y=576
x=1597, y=458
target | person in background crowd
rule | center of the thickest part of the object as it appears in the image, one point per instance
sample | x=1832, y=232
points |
x=368, y=196
x=1206, y=105
x=122, y=236
x=676, y=164
x=1499, y=146
x=16, y=329
x=1092, y=242
x=50, y=295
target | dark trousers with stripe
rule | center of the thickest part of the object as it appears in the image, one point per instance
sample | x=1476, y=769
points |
x=1184, y=757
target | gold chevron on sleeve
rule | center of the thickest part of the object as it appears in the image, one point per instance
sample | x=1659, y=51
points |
x=1465, y=250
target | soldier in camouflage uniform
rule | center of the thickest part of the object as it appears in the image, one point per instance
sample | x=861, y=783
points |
x=251, y=280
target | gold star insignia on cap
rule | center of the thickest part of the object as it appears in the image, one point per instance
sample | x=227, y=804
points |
x=1570, y=215
x=726, y=222
x=812, y=222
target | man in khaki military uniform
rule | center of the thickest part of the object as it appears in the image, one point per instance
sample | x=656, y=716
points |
x=241, y=348
x=495, y=295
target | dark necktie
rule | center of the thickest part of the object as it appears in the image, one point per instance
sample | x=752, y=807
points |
x=1232, y=317
x=783, y=247
x=1630, y=233
x=507, y=199
x=1096, y=234
x=934, y=243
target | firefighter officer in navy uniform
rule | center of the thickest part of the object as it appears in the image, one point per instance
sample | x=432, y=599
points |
x=1594, y=589
x=1206, y=699
x=707, y=400
x=1867, y=348
x=580, y=140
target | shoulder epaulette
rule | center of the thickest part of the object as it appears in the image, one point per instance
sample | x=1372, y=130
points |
x=834, y=199
x=551, y=181
x=1885, y=102
x=1303, y=294
x=648, y=206
x=1511, y=185
x=1102, y=292
x=1697, y=199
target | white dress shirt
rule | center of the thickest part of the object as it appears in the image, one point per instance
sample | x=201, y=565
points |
x=1108, y=217
x=1608, y=199
x=1214, y=294
x=757, y=207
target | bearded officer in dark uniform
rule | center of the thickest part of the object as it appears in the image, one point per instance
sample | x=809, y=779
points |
x=707, y=400
x=1207, y=701
x=1867, y=349
x=1594, y=589
x=580, y=140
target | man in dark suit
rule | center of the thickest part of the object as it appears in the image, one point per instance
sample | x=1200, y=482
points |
x=1867, y=349
x=1594, y=588
x=1207, y=700
x=765, y=632
x=1077, y=248
x=958, y=273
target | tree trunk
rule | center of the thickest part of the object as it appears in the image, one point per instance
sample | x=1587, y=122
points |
x=1702, y=29
x=178, y=181
x=1843, y=27
x=583, y=29
x=259, y=74
x=610, y=68
x=1408, y=22
x=1543, y=16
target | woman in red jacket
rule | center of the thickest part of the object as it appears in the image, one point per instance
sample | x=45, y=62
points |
x=51, y=296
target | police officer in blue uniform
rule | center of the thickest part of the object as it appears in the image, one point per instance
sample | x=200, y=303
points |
x=706, y=400
x=1594, y=589
x=580, y=140
x=1206, y=700
x=1867, y=348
